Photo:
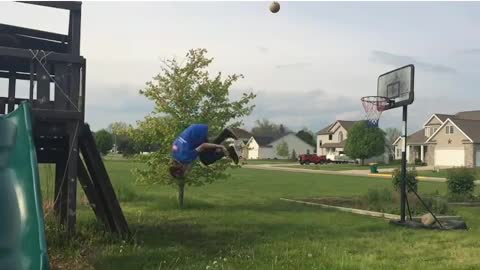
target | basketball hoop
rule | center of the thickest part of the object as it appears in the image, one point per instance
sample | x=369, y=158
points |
x=374, y=106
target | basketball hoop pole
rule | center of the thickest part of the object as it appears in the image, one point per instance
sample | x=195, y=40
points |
x=403, y=185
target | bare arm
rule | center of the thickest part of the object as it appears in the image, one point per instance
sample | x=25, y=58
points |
x=205, y=146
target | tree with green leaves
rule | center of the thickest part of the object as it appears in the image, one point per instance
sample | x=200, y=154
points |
x=104, y=141
x=184, y=93
x=265, y=128
x=364, y=142
x=282, y=149
x=126, y=146
x=282, y=130
x=116, y=129
x=307, y=136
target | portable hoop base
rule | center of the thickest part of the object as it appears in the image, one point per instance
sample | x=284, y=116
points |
x=451, y=224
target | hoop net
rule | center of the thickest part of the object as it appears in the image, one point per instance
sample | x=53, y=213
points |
x=374, y=106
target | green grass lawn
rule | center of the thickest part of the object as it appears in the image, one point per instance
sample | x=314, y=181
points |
x=240, y=223
x=267, y=161
x=442, y=173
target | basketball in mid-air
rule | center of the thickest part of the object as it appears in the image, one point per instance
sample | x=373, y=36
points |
x=274, y=7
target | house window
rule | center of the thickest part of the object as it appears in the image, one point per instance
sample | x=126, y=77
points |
x=449, y=129
x=330, y=137
x=434, y=130
x=428, y=132
x=399, y=152
x=320, y=143
x=340, y=136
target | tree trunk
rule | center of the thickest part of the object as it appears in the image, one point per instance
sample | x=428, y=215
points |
x=181, y=192
x=362, y=161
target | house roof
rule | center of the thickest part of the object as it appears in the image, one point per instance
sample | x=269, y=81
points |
x=348, y=124
x=471, y=128
x=468, y=122
x=470, y=115
x=417, y=137
x=344, y=123
x=396, y=141
x=444, y=117
x=324, y=130
x=242, y=133
x=263, y=140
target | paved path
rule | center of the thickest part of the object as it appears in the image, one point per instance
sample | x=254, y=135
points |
x=384, y=173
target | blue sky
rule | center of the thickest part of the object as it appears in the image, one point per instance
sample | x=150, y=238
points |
x=309, y=64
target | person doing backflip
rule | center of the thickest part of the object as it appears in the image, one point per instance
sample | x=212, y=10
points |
x=193, y=143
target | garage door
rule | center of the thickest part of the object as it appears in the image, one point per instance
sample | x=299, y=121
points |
x=450, y=156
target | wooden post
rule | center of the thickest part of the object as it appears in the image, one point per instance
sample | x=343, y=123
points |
x=72, y=162
x=92, y=192
x=62, y=77
x=43, y=86
x=32, y=78
x=74, y=31
x=2, y=106
x=11, y=91
x=60, y=198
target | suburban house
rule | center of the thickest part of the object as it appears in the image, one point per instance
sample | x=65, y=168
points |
x=331, y=139
x=241, y=143
x=266, y=147
x=445, y=140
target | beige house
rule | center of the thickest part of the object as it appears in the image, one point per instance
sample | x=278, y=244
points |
x=445, y=140
x=331, y=139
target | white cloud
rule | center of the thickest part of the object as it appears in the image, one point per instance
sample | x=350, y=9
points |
x=319, y=45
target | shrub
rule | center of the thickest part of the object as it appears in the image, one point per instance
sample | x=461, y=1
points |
x=460, y=183
x=419, y=162
x=412, y=181
x=435, y=202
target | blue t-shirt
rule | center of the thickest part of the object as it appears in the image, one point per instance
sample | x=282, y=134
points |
x=184, y=145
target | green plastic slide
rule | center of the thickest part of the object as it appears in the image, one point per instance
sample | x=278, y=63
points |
x=22, y=228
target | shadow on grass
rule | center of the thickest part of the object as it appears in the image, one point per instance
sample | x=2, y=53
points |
x=202, y=233
x=161, y=203
x=197, y=232
x=202, y=242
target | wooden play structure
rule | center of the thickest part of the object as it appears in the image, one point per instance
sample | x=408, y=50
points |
x=52, y=65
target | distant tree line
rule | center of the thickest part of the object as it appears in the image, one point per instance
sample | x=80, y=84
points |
x=266, y=128
x=115, y=138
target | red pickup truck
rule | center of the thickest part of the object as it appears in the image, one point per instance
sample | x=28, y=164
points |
x=312, y=158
